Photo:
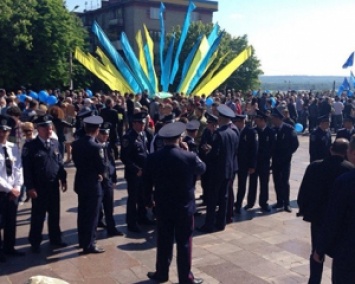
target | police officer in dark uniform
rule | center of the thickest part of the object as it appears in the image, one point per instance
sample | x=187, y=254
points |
x=88, y=157
x=348, y=129
x=320, y=140
x=247, y=155
x=262, y=172
x=192, y=128
x=134, y=154
x=44, y=173
x=10, y=187
x=204, y=147
x=109, y=180
x=286, y=144
x=221, y=160
x=171, y=171
x=313, y=196
x=79, y=123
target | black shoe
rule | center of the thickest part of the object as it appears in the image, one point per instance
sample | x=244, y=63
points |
x=247, y=207
x=197, y=281
x=36, y=249
x=266, y=208
x=288, y=209
x=93, y=249
x=14, y=252
x=146, y=222
x=154, y=276
x=134, y=229
x=277, y=206
x=204, y=229
x=2, y=257
x=115, y=232
x=101, y=224
x=196, y=214
x=229, y=221
x=59, y=244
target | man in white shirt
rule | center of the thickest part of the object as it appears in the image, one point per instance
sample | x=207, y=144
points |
x=10, y=185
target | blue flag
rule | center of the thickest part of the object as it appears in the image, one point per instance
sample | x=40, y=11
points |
x=352, y=79
x=167, y=65
x=162, y=37
x=350, y=61
x=346, y=84
x=116, y=58
x=183, y=36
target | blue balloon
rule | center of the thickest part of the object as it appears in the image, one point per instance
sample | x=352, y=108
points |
x=51, y=100
x=273, y=101
x=209, y=101
x=22, y=98
x=298, y=127
x=34, y=95
x=255, y=93
x=43, y=95
x=88, y=92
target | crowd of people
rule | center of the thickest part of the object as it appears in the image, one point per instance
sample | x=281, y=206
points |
x=166, y=145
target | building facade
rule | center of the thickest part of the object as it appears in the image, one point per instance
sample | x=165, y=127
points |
x=116, y=16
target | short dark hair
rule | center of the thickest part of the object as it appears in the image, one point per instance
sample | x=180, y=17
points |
x=13, y=111
x=340, y=146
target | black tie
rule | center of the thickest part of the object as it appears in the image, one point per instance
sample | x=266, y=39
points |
x=8, y=162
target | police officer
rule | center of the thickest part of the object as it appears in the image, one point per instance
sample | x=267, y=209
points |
x=10, y=185
x=348, y=129
x=44, y=174
x=247, y=155
x=134, y=153
x=109, y=179
x=286, y=144
x=204, y=147
x=313, y=196
x=320, y=140
x=262, y=172
x=172, y=172
x=221, y=160
x=88, y=158
x=192, y=128
x=79, y=123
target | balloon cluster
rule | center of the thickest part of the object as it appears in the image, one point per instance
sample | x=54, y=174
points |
x=42, y=96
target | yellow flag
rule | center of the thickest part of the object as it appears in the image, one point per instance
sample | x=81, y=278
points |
x=150, y=45
x=141, y=56
x=209, y=76
x=226, y=72
x=112, y=69
x=93, y=65
x=200, y=54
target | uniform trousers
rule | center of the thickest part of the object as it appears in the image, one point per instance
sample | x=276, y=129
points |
x=178, y=227
x=47, y=201
x=342, y=274
x=315, y=268
x=281, y=176
x=136, y=210
x=263, y=174
x=242, y=186
x=8, y=213
x=107, y=204
x=88, y=216
x=217, y=195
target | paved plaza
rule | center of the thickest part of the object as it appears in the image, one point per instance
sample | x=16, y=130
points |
x=255, y=248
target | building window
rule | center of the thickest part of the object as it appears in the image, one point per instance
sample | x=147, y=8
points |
x=155, y=35
x=154, y=13
x=195, y=16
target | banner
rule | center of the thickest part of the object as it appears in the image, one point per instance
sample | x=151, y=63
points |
x=349, y=62
x=167, y=65
x=149, y=56
x=135, y=65
x=224, y=74
x=162, y=38
x=116, y=57
x=141, y=57
x=200, y=54
x=183, y=36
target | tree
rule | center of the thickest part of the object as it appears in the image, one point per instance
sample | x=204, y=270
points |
x=244, y=78
x=36, y=38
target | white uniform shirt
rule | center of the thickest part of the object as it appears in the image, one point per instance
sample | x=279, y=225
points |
x=7, y=183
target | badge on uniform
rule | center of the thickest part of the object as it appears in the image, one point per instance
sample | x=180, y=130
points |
x=101, y=153
x=125, y=143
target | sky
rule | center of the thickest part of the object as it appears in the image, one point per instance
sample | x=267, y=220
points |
x=290, y=37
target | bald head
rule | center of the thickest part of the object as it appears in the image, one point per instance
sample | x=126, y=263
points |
x=340, y=147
